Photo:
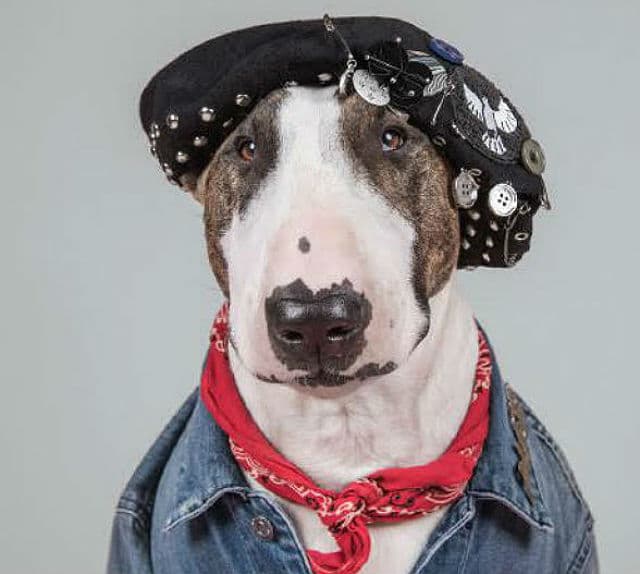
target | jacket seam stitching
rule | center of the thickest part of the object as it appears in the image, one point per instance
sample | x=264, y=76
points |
x=467, y=550
x=584, y=551
x=141, y=520
x=545, y=436
x=566, y=471
x=143, y=506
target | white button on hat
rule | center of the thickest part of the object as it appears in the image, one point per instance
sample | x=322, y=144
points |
x=503, y=199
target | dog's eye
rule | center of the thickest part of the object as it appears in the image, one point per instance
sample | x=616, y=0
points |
x=247, y=149
x=392, y=139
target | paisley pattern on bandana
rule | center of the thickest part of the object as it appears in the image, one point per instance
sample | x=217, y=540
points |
x=387, y=495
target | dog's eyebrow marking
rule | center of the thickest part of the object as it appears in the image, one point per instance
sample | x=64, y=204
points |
x=304, y=244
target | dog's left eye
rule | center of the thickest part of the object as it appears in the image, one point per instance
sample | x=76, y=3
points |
x=246, y=149
x=392, y=139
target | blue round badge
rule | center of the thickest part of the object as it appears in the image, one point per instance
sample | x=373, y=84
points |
x=446, y=51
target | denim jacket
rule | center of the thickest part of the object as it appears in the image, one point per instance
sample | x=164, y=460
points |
x=187, y=509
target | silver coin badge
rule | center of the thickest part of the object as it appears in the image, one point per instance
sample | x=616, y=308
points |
x=465, y=188
x=369, y=89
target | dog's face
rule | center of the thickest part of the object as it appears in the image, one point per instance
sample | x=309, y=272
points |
x=329, y=226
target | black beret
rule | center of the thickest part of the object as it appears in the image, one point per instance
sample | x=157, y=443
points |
x=190, y=106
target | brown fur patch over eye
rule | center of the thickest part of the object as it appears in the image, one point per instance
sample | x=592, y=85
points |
x=228, y=183
x=414, y=180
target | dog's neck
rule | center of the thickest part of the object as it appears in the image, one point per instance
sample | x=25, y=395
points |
x=405, y=418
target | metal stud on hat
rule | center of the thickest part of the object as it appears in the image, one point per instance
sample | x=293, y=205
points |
x=172, y=121
x=503, y=199
x=200, y=141
x=154, y=131
x=243, y=100
x=207, y=114
x=475, y=215
x=182, y=157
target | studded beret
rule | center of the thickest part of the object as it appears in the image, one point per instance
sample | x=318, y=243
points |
x=189, y=107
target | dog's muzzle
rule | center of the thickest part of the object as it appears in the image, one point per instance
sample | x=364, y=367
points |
x=322, y=332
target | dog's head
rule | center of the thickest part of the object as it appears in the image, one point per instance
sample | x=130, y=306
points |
x=329, y=226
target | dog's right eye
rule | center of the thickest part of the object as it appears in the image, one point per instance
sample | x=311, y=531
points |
x=247, y=149
x=392, y=139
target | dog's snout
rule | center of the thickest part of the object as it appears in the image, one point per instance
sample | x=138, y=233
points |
x=317, y=331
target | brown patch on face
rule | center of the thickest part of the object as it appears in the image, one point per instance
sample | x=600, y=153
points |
x=414, y=180
x=229, y=182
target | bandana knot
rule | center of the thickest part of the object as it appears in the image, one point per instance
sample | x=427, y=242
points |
x=354, y=502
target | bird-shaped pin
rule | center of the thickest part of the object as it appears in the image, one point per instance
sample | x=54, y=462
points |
x=500, y=120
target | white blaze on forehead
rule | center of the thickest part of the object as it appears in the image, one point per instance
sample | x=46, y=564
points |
x=314, y=192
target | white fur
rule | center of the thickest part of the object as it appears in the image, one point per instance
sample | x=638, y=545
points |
x=338, y=434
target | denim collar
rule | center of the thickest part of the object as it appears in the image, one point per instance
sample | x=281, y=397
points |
x=207, y=469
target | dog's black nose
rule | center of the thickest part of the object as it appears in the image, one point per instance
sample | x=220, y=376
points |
x=313, y=331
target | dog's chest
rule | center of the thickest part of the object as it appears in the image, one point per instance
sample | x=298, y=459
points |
x=395, y=548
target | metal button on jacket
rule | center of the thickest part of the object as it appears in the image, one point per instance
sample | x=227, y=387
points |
x=503, y=199
x=262, y=528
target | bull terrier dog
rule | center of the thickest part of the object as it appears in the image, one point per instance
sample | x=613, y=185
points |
x=334, y=236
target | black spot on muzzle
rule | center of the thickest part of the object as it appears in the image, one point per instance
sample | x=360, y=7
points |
x=317, y=332
x=304, y=244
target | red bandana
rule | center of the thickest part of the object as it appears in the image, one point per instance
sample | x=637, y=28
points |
x=388, y=495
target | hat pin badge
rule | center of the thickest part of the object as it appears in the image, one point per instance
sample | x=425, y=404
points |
x=347, y=75
x=364, y=83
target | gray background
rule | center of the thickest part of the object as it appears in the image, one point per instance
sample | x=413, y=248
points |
x=107, y=297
